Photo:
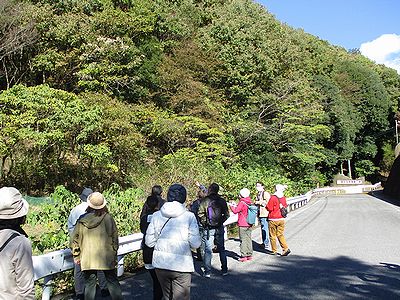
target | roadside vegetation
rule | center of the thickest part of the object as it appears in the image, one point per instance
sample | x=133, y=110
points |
x=120, y=95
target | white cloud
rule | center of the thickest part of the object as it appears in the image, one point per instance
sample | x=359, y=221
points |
x=384, y=50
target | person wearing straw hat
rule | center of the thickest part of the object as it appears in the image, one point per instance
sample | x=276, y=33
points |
x=79, y=282
x=94, y=245
x=16, y=266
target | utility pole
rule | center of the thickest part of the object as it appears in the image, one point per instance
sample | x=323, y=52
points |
x=348, y=163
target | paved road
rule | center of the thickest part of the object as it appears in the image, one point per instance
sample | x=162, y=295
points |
x=343, y=247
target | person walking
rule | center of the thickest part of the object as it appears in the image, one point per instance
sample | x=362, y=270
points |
x=262, y=199
x=94, y=245
x=16, y=266
x=173, y=231
x=79, y=281
x=245, y=229
x=213, y=212
x=152, y=207
x=276, y=221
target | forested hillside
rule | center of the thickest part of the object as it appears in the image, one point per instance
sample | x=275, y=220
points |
x=95, y=92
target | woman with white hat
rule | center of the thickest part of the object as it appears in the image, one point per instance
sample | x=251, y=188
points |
x=16, y=267
x=245, y=229
x=276, y=222
x=94, y=245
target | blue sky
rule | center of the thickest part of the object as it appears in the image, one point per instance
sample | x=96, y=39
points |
x=373, y=26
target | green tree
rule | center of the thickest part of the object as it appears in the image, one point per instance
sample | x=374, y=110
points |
x=41, y=128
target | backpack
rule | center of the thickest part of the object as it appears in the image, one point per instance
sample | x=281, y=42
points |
x=252, y=211
x=214, y=214
x=14, y=235
x=283, y=209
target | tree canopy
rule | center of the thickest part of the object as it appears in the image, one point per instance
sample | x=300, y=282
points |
x=133, y=92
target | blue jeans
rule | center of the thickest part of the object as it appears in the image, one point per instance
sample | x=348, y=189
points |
x=264, y=231
x=207, y=244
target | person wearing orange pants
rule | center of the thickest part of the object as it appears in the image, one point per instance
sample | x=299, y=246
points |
x=276, y=222
x=276, y=229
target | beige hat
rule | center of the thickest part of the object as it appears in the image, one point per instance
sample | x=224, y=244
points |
x=12, y=205
x=96, y=200
x=245, y=192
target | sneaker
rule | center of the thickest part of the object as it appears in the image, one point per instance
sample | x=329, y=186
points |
x=207, y=275
x=249, y=257
x=243, y=259
x=286, y=253
x=262, y=246
x=273, y=253
x=225, y=273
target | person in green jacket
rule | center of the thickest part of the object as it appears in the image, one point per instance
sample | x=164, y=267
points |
x=94, y=245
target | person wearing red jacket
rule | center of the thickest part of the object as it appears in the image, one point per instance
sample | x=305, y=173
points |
x=276, y=222
x=246, y=247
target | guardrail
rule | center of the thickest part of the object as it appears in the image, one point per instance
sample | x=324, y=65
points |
x=46, y=266
x=356, y=189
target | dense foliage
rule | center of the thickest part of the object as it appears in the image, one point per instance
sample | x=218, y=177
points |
x=96, y=92
x=120, y=95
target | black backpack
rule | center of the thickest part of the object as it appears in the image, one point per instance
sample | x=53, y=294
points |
x=214, y=214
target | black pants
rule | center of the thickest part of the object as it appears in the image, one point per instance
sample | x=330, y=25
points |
x=175, y=285
x=112, y=283
x=157, y=291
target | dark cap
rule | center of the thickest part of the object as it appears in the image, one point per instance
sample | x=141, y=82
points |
x=176, y=192
x=85, y=193
x=213, y=188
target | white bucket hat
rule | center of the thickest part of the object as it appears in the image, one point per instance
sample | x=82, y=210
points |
x=280, y=187
x=96, y=200
x=245, y=192
x=12, y=205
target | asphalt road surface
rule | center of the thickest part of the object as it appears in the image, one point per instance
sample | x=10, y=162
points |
x=343, y=247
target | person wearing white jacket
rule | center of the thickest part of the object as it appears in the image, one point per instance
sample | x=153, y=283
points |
x=173, y=232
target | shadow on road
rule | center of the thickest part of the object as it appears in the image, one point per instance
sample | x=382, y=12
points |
x=381, y=196
x=292, y=277
x=296, y=277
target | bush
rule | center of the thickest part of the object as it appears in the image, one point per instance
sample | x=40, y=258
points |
x=47, y=221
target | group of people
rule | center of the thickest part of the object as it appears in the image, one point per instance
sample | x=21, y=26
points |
x=272, y=222
x=171, y=232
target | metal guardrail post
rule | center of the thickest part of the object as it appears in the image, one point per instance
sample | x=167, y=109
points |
x=46, y=292
x=120, y=267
